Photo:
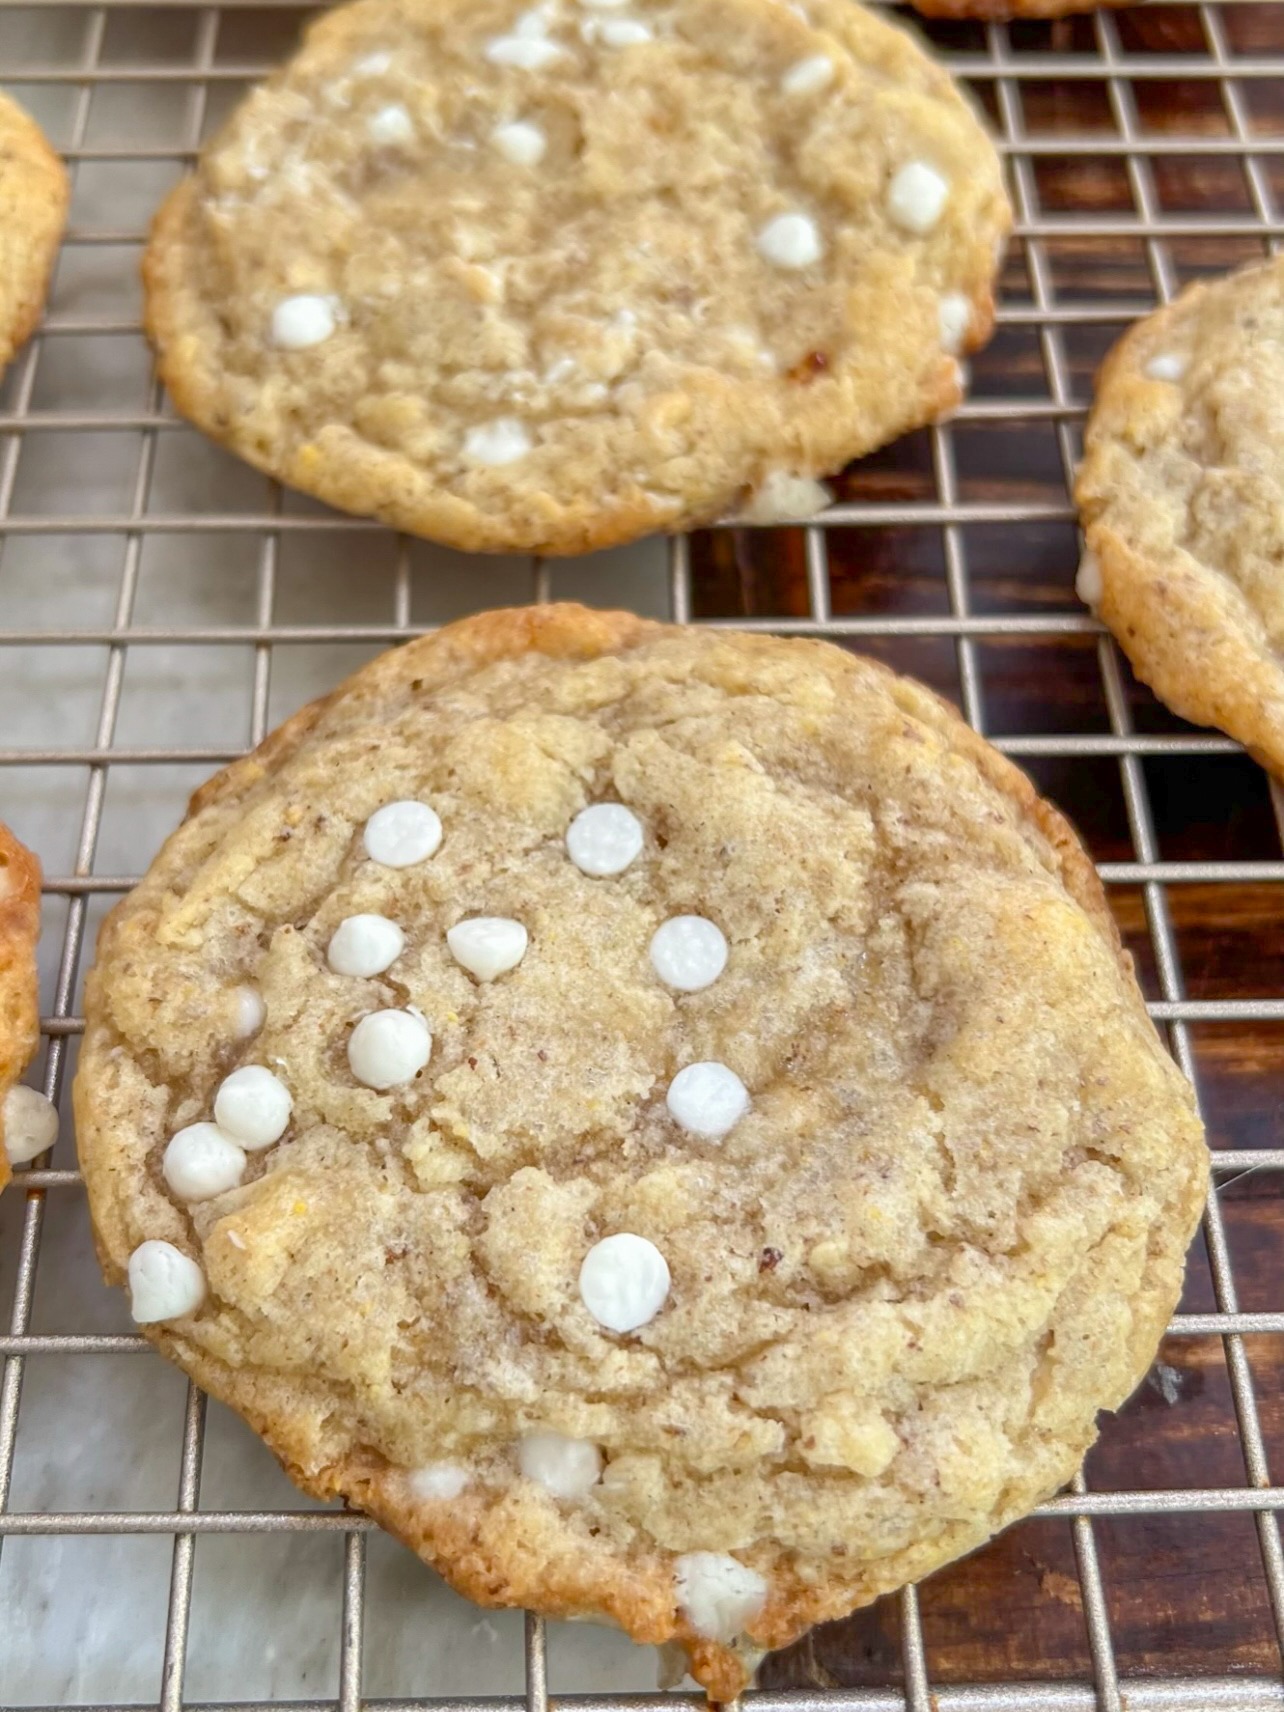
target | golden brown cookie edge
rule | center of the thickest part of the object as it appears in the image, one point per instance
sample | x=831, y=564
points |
x=19, y=998
x=45, y=194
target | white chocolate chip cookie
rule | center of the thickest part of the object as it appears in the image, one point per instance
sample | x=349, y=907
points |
x=33, y=207
x=553, y=277
x=1181, y=495
x=28, y=1123
x=759, y=1227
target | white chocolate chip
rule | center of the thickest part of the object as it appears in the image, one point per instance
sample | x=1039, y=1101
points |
x=718, y=1594
x=688, y=952
x=497, y=443
x=520, y=142
x=164, y=1283
x=253, y=1106
x=487, y=945
x=201, y=1161
x=303, y=321
x=391, y=124
x=402, y=833
x=954, y=317
x=603, y=5
x=808, y=76
x=707, y=1100
x=389, y=1048
x=624, y=1282
x=30, y=1124
x=373, y=65
x=526, y=53
x=790, y=241
x=365, y=945
x=438, y=1480
x=568, y=1468
x=623, y=32
x=251, y=1012
x=1087, y=583
x=916, y=197
x=784, y=498
x=603, y=839
x=1166, y=366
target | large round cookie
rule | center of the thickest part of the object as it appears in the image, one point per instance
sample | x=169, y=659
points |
x=19, y=1008
x=710, y=1353
x=553, y=278
x=1181, y=495
x=33, y=207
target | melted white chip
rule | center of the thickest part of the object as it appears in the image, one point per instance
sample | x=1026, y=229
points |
x=1087, y=583
x=688, y=952
x=916, y=197
x=784, y=498
x=439, y=1480
x=520, y=142
x=954, y=316
x=253, y=1106
x=496, y=443
x=707, y=1100
x=623, y=32
x=365, y=945
x=808, y=76
x=527, y=53
x=718, y=1594
x=373, y=65
x=389, y=1048
x=164, y=1284
x=603, y=839
x=299, y=322
x=603, y=5
x=487, y=945
x=566, y=1467
x=201, y=1162
x=624, y=1282
x=402, y=833
x=250, y=1012
x=790, y=241
x=1166, y=366
x=391, y=124
x=30, y=1124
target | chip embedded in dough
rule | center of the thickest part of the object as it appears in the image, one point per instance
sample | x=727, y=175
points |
x=1181, y=497
x=19, y=1008
x=804, y=1359
x=607, y=273
x=33, y=208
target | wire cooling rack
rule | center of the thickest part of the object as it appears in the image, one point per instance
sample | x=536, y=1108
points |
x=161, y=607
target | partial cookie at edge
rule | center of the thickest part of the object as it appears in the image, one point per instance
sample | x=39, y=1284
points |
x=19, y=1008
x=33, y=208
x=1181, y=496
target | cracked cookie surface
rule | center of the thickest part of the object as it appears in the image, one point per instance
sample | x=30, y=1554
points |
x=1181, y=497
x=708, y=1279
x=554, y=278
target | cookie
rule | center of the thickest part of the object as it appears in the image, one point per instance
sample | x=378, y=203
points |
x=660, y=1119
x=28, y=1123
x=1181, y=497
x=33, y=209
x=550, y=279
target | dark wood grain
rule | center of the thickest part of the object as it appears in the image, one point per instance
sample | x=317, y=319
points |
x=1187, y=1594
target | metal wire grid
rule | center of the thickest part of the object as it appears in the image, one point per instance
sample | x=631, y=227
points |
x=1001, y=66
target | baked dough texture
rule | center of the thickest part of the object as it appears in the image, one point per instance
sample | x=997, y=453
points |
x=611, y=333
x=19, y=1001
x=1181, y=496
x=949, y=1229
x=33, y=210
